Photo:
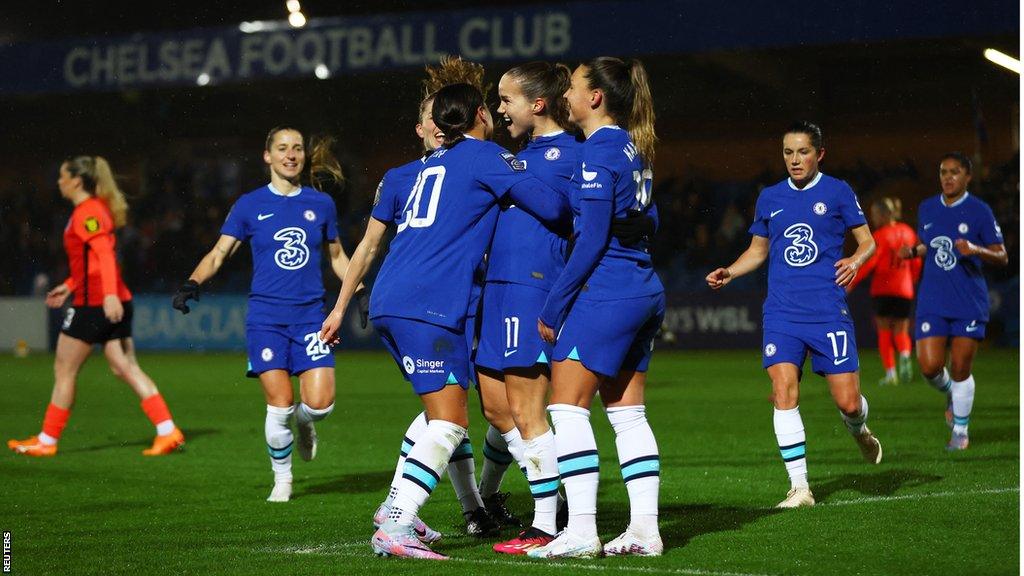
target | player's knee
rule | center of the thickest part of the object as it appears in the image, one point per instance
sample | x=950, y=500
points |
x=120, y=369
x=849, y=406
x=959, y=370
x=930, y=368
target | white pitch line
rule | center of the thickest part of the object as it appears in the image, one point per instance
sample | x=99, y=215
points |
x=897, y=498
x=342, y=549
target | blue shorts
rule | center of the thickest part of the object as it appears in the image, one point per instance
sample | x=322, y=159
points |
x=832, y=345
x=508, y=328
x=429, y=356
x=611, y=336
x=928, y=326
x=295, y=348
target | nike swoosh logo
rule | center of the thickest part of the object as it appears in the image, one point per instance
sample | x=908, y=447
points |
x=316, y=357
x=507, y=353
x=772, y=215
x=838, y=362
x=927, y=226
x=973, y=327
x=588, y=176
x=262, y=217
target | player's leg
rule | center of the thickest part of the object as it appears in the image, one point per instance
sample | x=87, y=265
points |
x=277, y=390
x=527, y=390
x=962, y=352
x=573, y=388
x=789, y=431
x=853, y=407
x=436, y=361
x=120, y=353
x=901, y=336
x=425, y=533
x=502, y=444
x=316, y=394
x=886, y=350
x=639, y=462
x=70, y=355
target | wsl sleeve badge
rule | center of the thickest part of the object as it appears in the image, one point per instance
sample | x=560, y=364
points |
x=513, y=162
x=92, y=224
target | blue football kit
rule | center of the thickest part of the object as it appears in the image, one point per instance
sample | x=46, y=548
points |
x=608, y=303
x=805, y=310
x=953, y=297
x=524, y=259
x=286, y=298
x=421, y=298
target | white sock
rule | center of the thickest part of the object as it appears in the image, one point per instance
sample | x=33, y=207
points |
x=640, y=465
x=279, y=441
x=890, y=372
x=516, y=446
x=855, y=423
x=423, y=467
x=304, y=414
x=941, y=381
x=416, y=428
x=963, y=403
x=497, y=457
x=541, y=459
x=46, y=440
x=789, y=432
x=164, y=428
x=577, y=466
x=462, y=473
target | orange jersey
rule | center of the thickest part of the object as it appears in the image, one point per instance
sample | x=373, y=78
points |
x=89, y=242
x=893, y=276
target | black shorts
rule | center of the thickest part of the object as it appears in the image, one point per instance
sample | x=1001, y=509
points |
x=891, y=306
x=88, y=324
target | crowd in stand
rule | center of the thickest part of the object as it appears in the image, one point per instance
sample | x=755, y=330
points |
x=177, y=210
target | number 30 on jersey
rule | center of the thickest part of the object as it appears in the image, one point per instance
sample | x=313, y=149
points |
x=413, y=219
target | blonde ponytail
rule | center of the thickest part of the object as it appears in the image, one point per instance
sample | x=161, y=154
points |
x=891, y=206
x=641, y=116
x=108, y=191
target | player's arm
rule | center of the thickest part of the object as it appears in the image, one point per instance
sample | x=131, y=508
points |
x=750, y=260
x=595, y=229
x=207, y=268
x=362, y=258
x=863, y=272
x=915, y=251
x=846, y=268
x=994, y=254
x=542, y=202
x=339, y=263
x=102, y=244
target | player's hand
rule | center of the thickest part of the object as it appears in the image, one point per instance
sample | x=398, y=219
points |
x=547, y=333
x=180, y=299
x=362, y=297
x=56, y=297
x=329, y=329
x=720, y=277
x=906, y=252
x=966, y=248
x=846, y=270
x=112, y=308
x=635, y=228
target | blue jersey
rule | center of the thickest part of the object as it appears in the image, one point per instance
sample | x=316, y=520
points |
x=611, y=169
x=952, y=285
x=524, y=251
x=805, y=231
x=394, y=190
x=447, y=224
x=287, y=234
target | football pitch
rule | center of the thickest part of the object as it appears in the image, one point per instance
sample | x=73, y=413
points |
x=100, y=507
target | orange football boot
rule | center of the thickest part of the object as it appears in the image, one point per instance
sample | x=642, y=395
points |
x=32, y=447
x=166, y=444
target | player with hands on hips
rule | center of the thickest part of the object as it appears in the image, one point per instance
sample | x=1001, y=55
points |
x=799, y=227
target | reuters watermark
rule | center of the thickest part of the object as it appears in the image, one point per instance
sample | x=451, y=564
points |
x=7, y=553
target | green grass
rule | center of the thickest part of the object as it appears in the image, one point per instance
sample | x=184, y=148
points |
x=99, y=507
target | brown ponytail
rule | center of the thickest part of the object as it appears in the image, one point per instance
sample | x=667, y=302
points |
x=627, y=99
x=98, y=180
x=641, y=117
x=324, y=168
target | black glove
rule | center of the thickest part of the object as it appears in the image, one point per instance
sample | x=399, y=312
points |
x=635, y=228
x=188, y=290
x=362, y=297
